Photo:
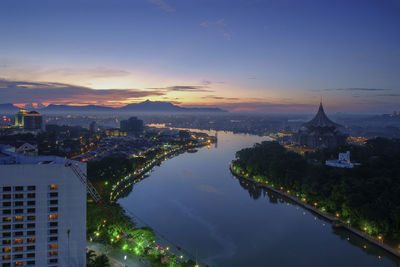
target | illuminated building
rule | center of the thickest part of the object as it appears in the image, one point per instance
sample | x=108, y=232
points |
x=343, y=161
x=320, y=132
x=43, y=211
x=19, y=118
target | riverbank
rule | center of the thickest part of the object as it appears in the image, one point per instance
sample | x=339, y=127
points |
x=334, y=220
x=132, y=178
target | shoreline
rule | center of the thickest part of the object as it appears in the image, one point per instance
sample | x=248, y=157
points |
x=334, y=221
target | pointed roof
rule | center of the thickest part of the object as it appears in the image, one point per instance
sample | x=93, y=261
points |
x=321, y=120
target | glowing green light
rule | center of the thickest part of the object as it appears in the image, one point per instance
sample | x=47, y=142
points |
x=106, y=182
x=125, y=247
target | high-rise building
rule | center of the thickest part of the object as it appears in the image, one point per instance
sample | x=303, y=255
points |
x=93, y=127
x=33, y=121
x=43, y=211
x=320, y=132
x=19, y=118
x=132, y=125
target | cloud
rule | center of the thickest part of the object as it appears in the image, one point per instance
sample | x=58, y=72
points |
x=60, y=93
x=356, y=89
x=220, y=97
x=163, y=5
x=184, y=88
x=220, y=25
x=388, y=95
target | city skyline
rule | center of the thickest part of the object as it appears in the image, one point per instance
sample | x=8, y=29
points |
x=243, y=56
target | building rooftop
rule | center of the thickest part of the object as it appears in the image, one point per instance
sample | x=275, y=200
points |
x=321, y=120
x=8, y=157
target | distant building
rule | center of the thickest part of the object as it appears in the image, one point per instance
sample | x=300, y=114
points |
x=19, y=118
x=320, y=132
x=33, y=121
x=132, y=125
x=93, y=127
x=43, y=211
x=29, y=120
x=343, y=161
x=27, y=149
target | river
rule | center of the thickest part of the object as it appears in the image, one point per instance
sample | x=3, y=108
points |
x=194, y=201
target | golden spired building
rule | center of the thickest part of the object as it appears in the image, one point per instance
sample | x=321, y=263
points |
x=320, y=132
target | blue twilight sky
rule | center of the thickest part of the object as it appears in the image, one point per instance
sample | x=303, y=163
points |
x=269, y=56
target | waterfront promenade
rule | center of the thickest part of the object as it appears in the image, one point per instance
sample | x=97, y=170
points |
x=333, y=220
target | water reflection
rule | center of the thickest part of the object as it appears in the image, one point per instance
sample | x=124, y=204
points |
x=194, y=200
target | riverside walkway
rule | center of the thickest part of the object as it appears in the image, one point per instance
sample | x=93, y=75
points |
x=334, y=221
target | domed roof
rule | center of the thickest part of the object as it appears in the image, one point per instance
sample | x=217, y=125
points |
x=321, y=120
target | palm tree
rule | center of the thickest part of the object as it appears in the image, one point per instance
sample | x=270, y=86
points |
x=101, y=261
x=90, y=256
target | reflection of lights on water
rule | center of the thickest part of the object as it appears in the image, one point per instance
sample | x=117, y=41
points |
x=125, y=257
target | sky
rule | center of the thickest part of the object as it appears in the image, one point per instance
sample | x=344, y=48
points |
x=271, y=56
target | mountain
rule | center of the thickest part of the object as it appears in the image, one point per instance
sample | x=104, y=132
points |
x=64, y=108
x=158, y=106
x=146, y=106
x=8, y=108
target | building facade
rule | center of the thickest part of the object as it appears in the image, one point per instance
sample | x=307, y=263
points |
x=320, y=132
x=43, y=209
x=132, y=125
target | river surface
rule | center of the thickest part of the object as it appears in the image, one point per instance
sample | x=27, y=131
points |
x=194, y=201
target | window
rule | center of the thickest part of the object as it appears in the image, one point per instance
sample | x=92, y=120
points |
x=6, y=204
x=54, y=202
x=6, y=227
x=18, y=203
x=31, y=225
x=31, y=187
x=7, y=249
x=53, y=216
x=18, y=233
x=30, y=248
x=54, y=194
x=18, y=248
x=6, y=188
x=7, y=234
x=31, y=233
x=30, y=255
x=53, y=246
x=31, y=195
x=52, y=224
x=18, y=218
x=53, y=253
x=6, y=211
x=53, y=187
x=6, y=219
x=19, y=195
x=18, y=256
x=18, y=263
x=31, y=203
x=6, y=257
x=53, y=238
x=53, y=209
x=17, y=211
x=18, y=226
x=7, y=196
x=53, y=260
x=31, y=218
x=53, y=231
x=31, y=240
x=30, y=262
x=19, y=188
x=18, y=241
x=6, y=242
x=31, y=210
x=6, y=264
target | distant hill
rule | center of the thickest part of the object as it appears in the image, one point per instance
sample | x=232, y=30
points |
x=146, y=106
x=157, y=106
x=64, y=108
x=8, y=108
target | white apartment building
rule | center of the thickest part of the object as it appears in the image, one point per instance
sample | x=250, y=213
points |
x=43, y=211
